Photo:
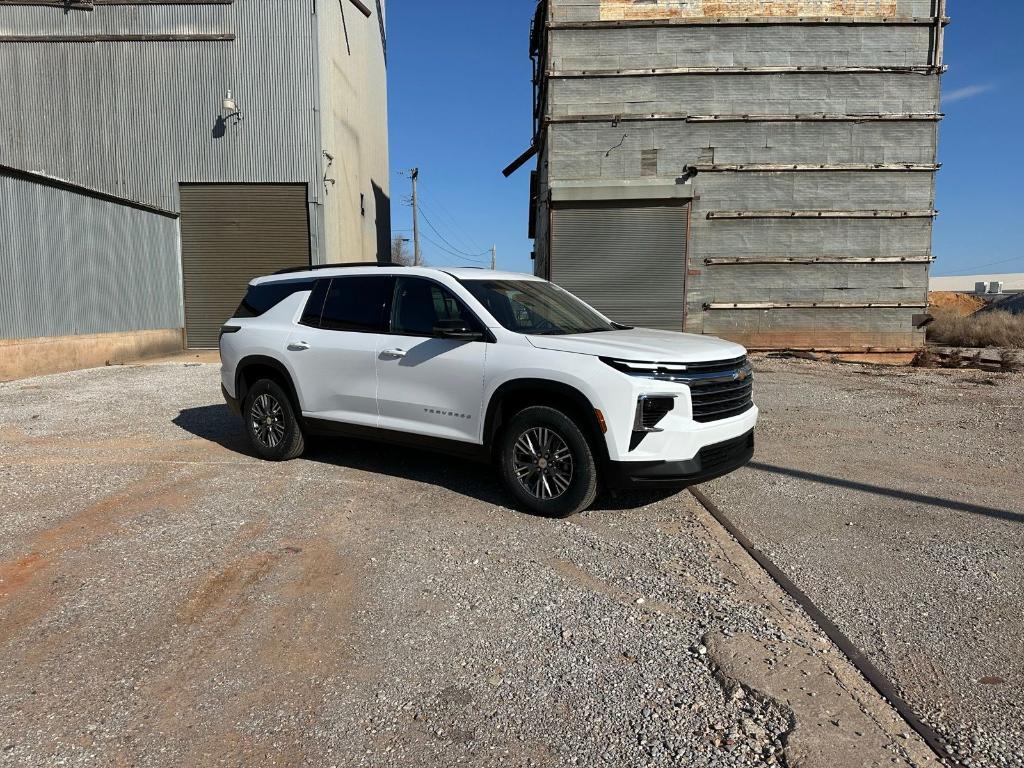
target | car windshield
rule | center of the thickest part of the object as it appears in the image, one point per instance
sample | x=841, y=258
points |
x=537, y=307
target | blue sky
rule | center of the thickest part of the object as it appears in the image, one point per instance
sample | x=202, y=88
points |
x=460, y=101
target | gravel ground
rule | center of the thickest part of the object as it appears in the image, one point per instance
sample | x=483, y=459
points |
x=895, y=499
x=167, y=600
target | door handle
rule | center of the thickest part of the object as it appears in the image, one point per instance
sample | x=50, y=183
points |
x=298, y=346
x=394, y=354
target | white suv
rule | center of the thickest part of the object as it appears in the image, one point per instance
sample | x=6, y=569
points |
x=493, y=365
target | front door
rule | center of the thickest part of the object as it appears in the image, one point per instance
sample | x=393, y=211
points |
x=334, y=349
x=429, y=385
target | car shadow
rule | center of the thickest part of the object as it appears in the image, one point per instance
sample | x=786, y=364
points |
x=893, y=493
x=217, y=424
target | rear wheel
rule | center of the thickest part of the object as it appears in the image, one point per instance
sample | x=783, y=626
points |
x=271, y=423
x=547, y=463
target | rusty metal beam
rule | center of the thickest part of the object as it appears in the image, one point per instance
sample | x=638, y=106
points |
x=44, y=179
x=89, y=5
x=762, y=305
x=795, y=118
x=780, y=168
x=940, y=34
x=731, y=21
x=362, y=8
x=180, y=38
x=564, y=74
x=930, y=214
x=724, y=261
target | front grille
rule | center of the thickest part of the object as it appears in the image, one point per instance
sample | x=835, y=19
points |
x=667, y=371
x=719, y=389
x=722, y=397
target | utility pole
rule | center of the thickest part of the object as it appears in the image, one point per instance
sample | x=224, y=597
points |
x=417, y=260
x=494, y=257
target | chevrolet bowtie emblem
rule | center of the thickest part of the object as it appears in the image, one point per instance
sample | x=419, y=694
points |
x=742, y=375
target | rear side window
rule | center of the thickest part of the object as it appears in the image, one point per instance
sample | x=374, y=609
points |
x=360, y=304
x=315, y=304
x=260, y=299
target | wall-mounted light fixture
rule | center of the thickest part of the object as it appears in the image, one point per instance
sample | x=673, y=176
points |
x=231, y=109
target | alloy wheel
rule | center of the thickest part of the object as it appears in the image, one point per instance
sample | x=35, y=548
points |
x=543, y=463
x=267, y=419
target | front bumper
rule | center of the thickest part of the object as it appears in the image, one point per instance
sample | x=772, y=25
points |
x=710, y=462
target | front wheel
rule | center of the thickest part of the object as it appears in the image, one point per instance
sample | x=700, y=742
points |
x=547, y=463
x=270, y=421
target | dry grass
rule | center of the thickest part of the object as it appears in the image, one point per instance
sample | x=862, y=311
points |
x=987, y=329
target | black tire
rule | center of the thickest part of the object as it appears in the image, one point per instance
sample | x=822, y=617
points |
x=553, y=487
x=281, y=438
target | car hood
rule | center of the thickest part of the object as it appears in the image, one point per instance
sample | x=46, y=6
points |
x=643, y=344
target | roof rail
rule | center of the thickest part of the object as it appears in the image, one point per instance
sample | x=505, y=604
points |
x=293, y=270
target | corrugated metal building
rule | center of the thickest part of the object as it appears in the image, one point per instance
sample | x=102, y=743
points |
x=762, y=170
x=155, y=156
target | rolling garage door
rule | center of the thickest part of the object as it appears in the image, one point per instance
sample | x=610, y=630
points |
x=231, y=233
x=626, y=259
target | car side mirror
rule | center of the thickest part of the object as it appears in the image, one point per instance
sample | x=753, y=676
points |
x=457, y=330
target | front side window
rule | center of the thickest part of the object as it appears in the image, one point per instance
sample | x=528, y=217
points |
x=423, y=307
x=357, y=304
x=537, y=307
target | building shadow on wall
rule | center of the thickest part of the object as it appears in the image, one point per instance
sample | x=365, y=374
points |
x=382, y=206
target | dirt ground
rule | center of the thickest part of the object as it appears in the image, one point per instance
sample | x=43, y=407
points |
x=962, y=304
x=895, y=499
x=168, y=600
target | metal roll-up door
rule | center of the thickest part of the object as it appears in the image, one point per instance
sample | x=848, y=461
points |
x=628, y=260
x=231, y=233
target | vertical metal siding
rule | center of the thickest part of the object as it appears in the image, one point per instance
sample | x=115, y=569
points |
x=135, y=118
x=71, y=265
x=627, y=260
x=231, y=233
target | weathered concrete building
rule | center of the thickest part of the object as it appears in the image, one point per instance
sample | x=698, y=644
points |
x=155, y=156
x=762, y=170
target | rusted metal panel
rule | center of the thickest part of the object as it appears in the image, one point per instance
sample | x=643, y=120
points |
x=612, y=10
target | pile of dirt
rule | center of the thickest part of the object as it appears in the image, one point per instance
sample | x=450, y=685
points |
x=961, y=304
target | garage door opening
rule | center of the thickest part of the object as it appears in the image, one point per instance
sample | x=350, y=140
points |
x=627, y=259
x=231, y=233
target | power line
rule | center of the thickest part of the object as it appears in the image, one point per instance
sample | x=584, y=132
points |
x=462, y=233
x=987, y=264
x=447, y=242
x=450, y=252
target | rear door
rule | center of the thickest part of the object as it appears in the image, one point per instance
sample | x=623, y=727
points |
x=429, y=385
x=334, y=348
